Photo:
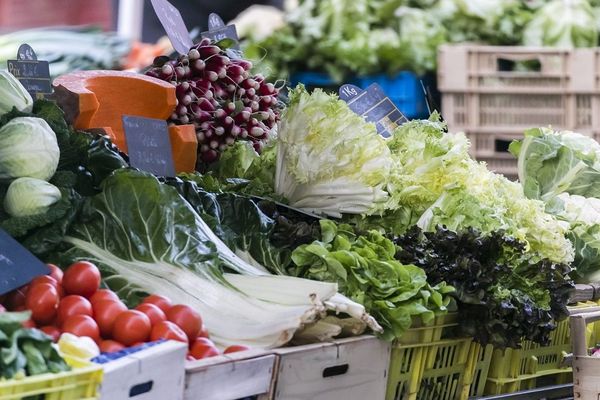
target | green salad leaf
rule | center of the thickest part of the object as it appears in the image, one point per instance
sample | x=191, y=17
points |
x=563, y=23
x=365, y=270
x=323, y=164
x=26, y=351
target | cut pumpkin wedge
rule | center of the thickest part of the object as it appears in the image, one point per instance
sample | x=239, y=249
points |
x=99, y=99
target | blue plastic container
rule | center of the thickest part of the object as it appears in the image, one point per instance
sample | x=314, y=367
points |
x=404, y=88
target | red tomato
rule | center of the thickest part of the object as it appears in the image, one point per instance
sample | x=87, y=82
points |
x=153, y=312
x=203, y=348
x=15, y=299
x=161, y=302
x=169, y=331
x=186, y=318
x=104, y=294
x=43, y=279
x=235, y=348
x=29, y=324
x=42, y=299
x=55, y=272
x=132, y=326
x=82, y=278
x=73, y=305
x=110, y=346
x=81, y=325
x=50, y=280
x=105, y=314
x=51, y=331
x=203, y=332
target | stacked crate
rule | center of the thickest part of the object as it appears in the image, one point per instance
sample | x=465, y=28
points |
x=493, y=94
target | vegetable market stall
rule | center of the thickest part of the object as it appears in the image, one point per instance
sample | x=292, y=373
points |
x=294, y=248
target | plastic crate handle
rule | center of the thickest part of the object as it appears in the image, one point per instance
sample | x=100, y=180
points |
x=335, y=370
x=141, y=388
x=510, y=62
x=578, y=324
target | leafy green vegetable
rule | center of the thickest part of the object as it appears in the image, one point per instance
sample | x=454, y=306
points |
x=563, y=23
x=146, y=238
x=30, y=196
x=365, y=270
x=583, y=216
x=28, y=148
x=435, y=182
x=496, y=22
x=85, y=160
x=348, y=38
x=13, y=94
x=554, y=162
x=501, y=298
x=323, y=163
x=26, y=351
x=242, y=170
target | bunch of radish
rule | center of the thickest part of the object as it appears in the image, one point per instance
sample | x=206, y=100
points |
x=220, y=97
x=73, y=302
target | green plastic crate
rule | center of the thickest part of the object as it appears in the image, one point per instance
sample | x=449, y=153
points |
x=535, y=365
x=482, y=361
x=427, y=363
x=78, y=384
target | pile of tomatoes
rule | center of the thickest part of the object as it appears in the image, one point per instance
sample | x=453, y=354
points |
x=72, y=302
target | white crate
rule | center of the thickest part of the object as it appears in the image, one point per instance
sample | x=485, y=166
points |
x=230, y=376
x=347, y=369
x=155, y=373
x=586, y=369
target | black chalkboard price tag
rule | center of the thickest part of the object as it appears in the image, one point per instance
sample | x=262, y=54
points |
x=374, y=105
x=148, y=145
x=217, y=31
x=33, y=74
x=17, y=265
x=171, y=20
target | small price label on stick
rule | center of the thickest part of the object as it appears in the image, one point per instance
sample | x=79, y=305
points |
x=148, y=145
x=375, y=106
x=217, y=31
x=17, y=265
x=33, y=74
x=171, y=20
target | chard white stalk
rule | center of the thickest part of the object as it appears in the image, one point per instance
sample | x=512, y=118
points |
x=341, y=304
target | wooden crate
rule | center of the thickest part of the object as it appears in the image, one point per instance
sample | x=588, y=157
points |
x=346, y=369
x=229, y=377
x=155, y=373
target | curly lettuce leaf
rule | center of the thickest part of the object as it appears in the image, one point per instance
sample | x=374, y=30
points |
x=435, y=182
x=323, y=164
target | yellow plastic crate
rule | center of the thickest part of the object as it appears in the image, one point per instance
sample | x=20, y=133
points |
x=78, y=384
x=425, y=365
x=534, y=365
